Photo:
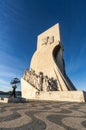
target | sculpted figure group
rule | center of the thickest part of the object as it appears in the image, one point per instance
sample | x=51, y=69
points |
x=40, y=82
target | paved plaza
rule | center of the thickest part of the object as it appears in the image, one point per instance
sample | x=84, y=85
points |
x=38, y=115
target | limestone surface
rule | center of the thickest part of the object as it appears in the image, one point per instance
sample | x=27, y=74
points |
x=47, y=79
x=48, y=58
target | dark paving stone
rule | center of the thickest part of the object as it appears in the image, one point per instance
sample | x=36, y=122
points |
x=13, y=116
x=84, y=123
x=57, y=119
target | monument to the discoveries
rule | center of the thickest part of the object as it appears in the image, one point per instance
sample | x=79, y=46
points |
x=47, y=79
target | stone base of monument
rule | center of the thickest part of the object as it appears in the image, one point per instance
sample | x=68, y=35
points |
x=30, y=93
x=12, y=100
x=71, y=96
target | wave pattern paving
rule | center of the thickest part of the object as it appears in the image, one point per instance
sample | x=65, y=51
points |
x=43, y=116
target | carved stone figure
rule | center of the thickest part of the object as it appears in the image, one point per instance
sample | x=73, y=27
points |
x=40, y=81
x=53, y=84
x=46, y=80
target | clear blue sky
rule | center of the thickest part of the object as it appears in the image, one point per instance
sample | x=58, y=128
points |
x=20, y=23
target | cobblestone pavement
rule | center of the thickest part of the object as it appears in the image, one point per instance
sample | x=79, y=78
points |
x=36, y=115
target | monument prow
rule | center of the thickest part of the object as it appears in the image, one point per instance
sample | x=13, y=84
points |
x=47, y=72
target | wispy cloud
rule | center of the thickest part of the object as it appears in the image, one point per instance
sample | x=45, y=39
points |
x=76, y=62
x=5, y=88
x=75, y=66
x=80, y=84
x=10, y=67
x=4, y=85
x=4, y=82
x=6, y=71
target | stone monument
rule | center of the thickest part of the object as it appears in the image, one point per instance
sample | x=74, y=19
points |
x=47, y=78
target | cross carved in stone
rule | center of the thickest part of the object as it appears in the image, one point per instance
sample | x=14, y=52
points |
x=48, y=40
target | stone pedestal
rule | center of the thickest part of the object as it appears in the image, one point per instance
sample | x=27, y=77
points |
x=30, y=93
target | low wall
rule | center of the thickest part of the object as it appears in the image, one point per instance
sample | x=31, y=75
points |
x=4, y=100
